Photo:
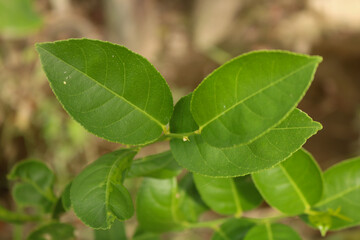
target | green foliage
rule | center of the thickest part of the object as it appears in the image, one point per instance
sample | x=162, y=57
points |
x=239, y=125
x=53, y=231
x=293, y=186
x=18, y=18
x=272, y=232
x=113, y=92
x=97, y=194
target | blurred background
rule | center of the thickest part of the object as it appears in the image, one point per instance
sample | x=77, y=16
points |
x=185, y=40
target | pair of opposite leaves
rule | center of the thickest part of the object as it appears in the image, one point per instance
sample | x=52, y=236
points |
x=243, y=109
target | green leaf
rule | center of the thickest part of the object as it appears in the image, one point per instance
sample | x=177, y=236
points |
x=53, y=231
x=114, y=93
x=246, y=97
x=272, y=232
x=163, y=206
x=97, y=194
x=275, y=146
x=162, y=165
x=140, y=234
x=35, y=184
x=65, y=197
x=13, y=217
x=18, y=18
x=293, y=186
x=228, y=195
x=342, y=194
x=116, y=232
x=234, y=229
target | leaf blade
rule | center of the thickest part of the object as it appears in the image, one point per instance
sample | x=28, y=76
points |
x=102, y=92
x=240, y=89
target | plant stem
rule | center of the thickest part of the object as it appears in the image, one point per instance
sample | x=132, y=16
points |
x=214, y=224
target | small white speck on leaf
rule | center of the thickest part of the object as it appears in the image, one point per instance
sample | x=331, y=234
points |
x=186, y=139
x=64, y=82
x=112, y=56
x=64, y=72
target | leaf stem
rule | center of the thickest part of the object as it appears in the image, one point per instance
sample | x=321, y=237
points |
x=214, y=224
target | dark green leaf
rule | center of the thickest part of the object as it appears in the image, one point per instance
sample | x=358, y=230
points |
x=275, y=146
x=246, y=97
x=53, y=231
x=293, y=186
x=18, y=18
x=162, y=165
x=163, y=206
x=35, y=186
x=114, y=93
x=233, y=229
x=116, y=232
x=228, y=195
x=97, y=194
x=65, y=197
x=341, y=196
x=272, y=232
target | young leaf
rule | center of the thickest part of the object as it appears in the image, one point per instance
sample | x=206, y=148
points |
x=234, y=229
x=293, y=186
x=228, y=195
x=35, y=186
x=275, y=146
x=53, y=231
x=246, y=97
x=114, y=93
x=13, y=217
x=97, y=194
x=163, y=206
x=272, y=232
x=162, y=165
x=116, y=232
x=342, y=194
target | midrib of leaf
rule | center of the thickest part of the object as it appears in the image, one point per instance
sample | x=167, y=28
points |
x=296, y=188
x=108, y=89
x=236, y=198
x=339, y=195
x=49, y=197
x=268, y=230
x=254, y=94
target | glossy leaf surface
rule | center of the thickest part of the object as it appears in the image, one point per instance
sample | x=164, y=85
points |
x=162, y=165
x=293, y=186
x=234, y=229
x=116, y=232
x=244, y=98
x=161, y=205
x=97, y=194
x=114, y=93
x=272, y=232
x=228, y=195
x=35, y=184
x=342, y=194
x=275, y=146
x=53, y=231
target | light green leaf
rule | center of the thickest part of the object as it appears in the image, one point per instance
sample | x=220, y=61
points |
x=163, y=206
x=272, y=232
x=228, y=195
x=18, y=18
x=35, y=185
x=275, y=146
x=246, y=97
x=140, y=234
x=114, y=93
x=162, y=165
x=53, y=231
x=13, y=217
x=116, y=232
x=293, y=186
x=233, y=229
x=97, y=194
x=341, y=196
